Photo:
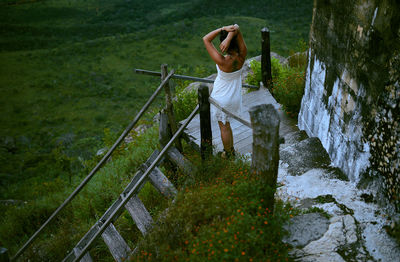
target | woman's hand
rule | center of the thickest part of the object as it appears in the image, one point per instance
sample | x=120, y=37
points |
x=231, y=28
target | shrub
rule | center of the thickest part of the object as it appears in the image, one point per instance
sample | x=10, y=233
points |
x=185, y=103
x=254, y=77
x=288, y=84
x=277, y=70
x=289, y=90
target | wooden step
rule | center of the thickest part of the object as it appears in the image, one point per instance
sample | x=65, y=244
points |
x=88, y=236
x=162, y=184
x=86, y=258
x=183, y=164
x=139, y=214
x=116, y=244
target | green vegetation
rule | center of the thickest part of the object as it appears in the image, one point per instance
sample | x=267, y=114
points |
x=20, y=222
x=68, y=90
x=288, y=80
x=221, y=216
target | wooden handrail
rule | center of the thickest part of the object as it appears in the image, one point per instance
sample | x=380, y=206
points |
x=96, y=168
x=133, y=190
x=241, y=120
x=190, y=78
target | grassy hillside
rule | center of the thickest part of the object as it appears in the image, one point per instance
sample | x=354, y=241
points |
x=66, y=73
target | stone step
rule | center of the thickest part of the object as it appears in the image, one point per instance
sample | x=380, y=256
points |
x=305, y=155
x=293, y=138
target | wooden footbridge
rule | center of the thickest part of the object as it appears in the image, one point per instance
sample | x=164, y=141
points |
x=255, y=131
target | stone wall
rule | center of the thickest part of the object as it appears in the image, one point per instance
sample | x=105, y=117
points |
x=352, y=91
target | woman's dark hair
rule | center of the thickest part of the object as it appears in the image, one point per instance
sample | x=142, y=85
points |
x=233, y=46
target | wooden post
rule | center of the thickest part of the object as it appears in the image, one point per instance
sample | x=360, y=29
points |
x=265, y=160
x=4, y=255
x=266, y=58
x=170, y=109
x=205, y=121
x=164, y=132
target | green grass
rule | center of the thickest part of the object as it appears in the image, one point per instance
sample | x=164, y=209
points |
x=66, y=78
x=222, y=215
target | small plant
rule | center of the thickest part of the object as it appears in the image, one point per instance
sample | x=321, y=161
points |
x=185, y=103
x=254, y=77
x=288, y=84
x=289, y=91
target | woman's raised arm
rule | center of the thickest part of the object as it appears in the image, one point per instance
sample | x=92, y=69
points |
x=212, y=51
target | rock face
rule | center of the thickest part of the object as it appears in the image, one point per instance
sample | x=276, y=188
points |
x=306, y=228
x=352, y=90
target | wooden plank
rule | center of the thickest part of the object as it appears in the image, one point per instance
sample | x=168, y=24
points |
x=191, y=78
x=234, y=116
x=139, y=214
x=164, y=132
x=162, y=184
x=215, y=128
x=93, y=230
x=116, y=244
x=247, y=148
x=169, y=106
x=85, y=258
x=243, y=142
x=183, y=164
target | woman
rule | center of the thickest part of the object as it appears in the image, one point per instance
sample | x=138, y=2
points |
x=227, y=89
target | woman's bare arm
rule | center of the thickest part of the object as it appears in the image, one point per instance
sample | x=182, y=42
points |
x=241, y=43
x=212, y=51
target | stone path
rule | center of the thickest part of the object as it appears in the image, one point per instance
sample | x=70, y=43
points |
x=352, y=227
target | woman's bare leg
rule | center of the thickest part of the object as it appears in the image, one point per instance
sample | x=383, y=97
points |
x=226, y=136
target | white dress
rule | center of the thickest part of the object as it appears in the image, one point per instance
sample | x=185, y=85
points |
x=227, y=91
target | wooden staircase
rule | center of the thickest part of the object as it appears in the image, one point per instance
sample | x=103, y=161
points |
x=129, y=200
x=117, y=245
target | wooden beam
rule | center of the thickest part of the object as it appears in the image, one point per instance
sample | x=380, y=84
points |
x=169, y=105
x=183, y=77
x=139, y=214
x=265, y=159
x=164, y=132
x=205, y=122
x=162, y=183
x=183, y=164
x=236, y=117
x=116, y=244
x=85, y=258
